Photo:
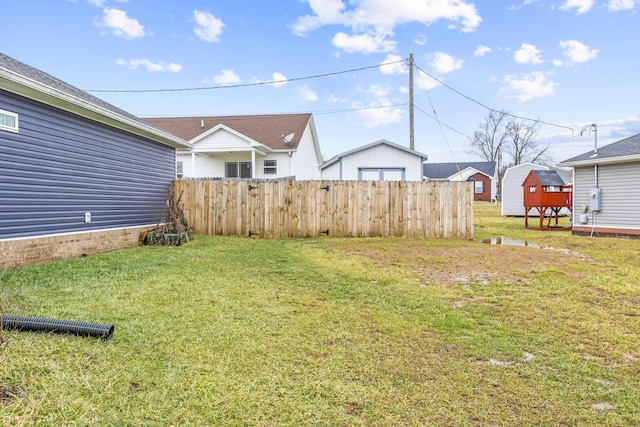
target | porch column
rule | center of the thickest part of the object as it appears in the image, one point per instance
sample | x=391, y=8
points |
x=253, y=164
x=193, y=164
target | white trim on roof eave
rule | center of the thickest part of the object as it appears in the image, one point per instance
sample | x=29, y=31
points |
x=606, y=160
x=37, y=91
x=221, y=126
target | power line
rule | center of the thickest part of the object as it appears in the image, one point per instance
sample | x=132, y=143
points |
x=492, y=109
x=335, y=73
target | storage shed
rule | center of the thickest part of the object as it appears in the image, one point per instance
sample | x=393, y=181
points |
x=511, y=188
x=379, y=161
x=547, y=193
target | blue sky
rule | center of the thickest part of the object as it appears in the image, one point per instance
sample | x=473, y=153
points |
x=568, y=63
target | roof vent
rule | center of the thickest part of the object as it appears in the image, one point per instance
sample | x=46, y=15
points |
x=202, y=124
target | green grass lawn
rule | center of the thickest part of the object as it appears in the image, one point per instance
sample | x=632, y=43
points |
x=227, y=331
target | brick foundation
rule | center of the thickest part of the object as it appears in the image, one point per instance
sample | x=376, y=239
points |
x=20, y=252
x=606, y=232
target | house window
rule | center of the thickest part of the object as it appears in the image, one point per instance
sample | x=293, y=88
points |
x=532, y=189
x=8, y=121
x=479, y=186
x=237, y=169
x=179, y=169
x=270, y=167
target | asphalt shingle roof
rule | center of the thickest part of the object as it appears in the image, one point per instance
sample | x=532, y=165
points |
x=627, y=147
x=265, y=129
x=548, y=177
x=24, y=70
x=445, y=170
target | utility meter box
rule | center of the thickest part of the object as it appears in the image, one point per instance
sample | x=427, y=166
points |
x=595, y=199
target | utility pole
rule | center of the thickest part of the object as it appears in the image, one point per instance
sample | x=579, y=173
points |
x=412, y=144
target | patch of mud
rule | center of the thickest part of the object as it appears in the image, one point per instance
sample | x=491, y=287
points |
x=472, y=264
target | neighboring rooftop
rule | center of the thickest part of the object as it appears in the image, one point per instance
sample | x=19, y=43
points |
x=269, y=130
x=373, y=144
x=446, y=170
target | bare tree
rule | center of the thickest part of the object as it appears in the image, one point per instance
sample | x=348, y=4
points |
x=490, y=136
x=521, y=145
x=502, y=133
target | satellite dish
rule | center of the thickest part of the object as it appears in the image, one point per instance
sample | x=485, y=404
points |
x=288, y=138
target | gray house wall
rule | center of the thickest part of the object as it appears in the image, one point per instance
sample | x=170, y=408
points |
x=60, y=166
x=620, y=197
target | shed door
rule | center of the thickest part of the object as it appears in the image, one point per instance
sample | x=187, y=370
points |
x=381, y=174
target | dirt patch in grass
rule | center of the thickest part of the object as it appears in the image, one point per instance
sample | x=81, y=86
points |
x=473, y=263
x=9, y=394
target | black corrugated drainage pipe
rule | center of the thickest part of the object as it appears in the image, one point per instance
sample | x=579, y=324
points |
x=39, y=324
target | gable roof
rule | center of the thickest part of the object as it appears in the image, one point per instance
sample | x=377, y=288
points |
x=268, y=129
x=371, y=145
x=625, y=150
x=29, y=82
x=548, y=177
x=446, y=170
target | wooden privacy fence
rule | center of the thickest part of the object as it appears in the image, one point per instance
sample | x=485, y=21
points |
x=275, y=209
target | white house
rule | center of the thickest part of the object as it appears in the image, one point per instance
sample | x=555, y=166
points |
x=483, y=174
x=512, y=191
x=378, y=161
x=257, y=146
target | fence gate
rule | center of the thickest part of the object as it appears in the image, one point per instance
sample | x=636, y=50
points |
x=287, y=209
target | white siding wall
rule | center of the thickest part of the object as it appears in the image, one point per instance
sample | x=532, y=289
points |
x=222, y=139
x=512, y=193
x=305, y=161
x=382, y=156
x=283, y=165
x=620, y=194
x=332, y=172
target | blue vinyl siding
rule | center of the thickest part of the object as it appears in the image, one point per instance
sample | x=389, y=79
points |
x=60, y=166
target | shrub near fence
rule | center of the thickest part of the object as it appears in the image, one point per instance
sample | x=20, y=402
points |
x=277, y=209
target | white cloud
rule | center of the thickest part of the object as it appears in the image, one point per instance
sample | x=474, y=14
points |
x=281, y=79
x=153, y=67
x=208, y=27
x=308, y=94
x=391, y=65
x=227, y=77
x=121, y=25
x=526, y=87
x=379, y=91
x=373, y=21
x=363, y=43
x=616, y=5
x=581, y=6
x=445, y=63
x=374, y=116
x=577, y=52
x=425, y=82
x=481, y=51
x=527, y=54
x=420, y=40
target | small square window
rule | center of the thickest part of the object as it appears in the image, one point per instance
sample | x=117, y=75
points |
x=8, y=121
x=270, y=167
